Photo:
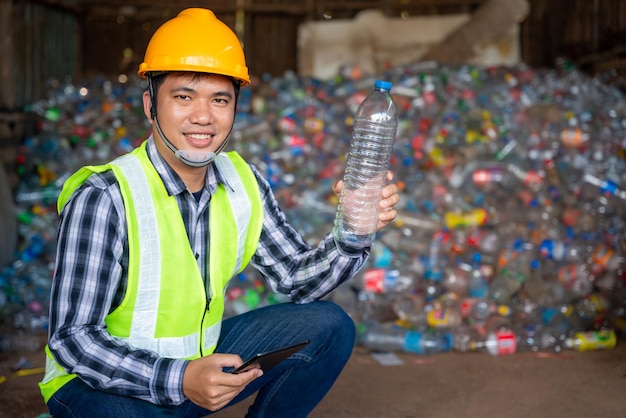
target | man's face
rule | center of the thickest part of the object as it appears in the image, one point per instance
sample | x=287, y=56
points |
x=195, y=112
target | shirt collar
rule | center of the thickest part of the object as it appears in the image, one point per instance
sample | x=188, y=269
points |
x=172, y=181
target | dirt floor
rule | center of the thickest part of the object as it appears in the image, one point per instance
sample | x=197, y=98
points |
x=450, y=385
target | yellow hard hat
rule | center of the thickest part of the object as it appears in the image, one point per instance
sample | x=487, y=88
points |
x=196, y=41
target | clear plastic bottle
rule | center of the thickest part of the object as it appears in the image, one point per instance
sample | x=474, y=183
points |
x=409, y=308
x=380, y=280
x=607, y=187
x=561, y=250
x=482, y=309
x=464, y=338
x=478, y=283
x=388, y=339
x=507, y=282
x=539, y=285
x=515, y=267
x=435, y=260
x=455, y=279
x=485, y=240
x=539, y=338
x=576, y=280
x=418, y=222
x=606, y=259
x=366, y=169
x=501, y=342
x=497, y=343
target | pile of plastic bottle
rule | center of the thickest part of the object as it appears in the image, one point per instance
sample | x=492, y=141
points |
x=513, y=182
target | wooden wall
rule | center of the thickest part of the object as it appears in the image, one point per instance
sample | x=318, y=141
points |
x=268, y=28
x=591, y=33
x=39, y=44
x=43, y=46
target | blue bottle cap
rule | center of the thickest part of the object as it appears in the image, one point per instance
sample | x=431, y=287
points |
x=381, y=84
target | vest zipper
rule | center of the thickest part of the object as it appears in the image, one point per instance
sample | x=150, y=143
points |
x=207, y=310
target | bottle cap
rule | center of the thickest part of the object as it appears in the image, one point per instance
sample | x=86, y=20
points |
x=504, y=310
x=381, y=84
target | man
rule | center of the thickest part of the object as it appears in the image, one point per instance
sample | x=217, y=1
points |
x=148, y=242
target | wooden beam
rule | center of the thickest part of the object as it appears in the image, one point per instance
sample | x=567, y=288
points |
x=308, y=8
x=7, y=98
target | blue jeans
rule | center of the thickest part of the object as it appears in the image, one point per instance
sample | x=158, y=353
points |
x=291, y=389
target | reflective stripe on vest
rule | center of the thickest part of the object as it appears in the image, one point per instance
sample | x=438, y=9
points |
x=239, y=203
x=149, y=263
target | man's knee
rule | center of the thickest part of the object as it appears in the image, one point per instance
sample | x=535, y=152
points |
x=336, y=323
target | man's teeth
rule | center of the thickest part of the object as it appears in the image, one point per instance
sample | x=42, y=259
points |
x=200, y=136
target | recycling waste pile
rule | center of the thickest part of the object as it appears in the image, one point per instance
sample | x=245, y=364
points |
x=511, y=231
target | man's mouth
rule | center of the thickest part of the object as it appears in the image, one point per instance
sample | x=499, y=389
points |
x=200, y=140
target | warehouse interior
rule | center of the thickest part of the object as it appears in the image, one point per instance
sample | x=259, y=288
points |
x=532, y=70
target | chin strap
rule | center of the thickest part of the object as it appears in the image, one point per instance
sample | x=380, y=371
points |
x=191, y=158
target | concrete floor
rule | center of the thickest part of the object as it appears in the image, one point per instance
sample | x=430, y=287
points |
x=450, y=385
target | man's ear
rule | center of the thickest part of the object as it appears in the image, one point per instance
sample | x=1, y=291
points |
x=147, y=106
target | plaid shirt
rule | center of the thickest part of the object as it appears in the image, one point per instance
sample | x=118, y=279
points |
x=92, y=267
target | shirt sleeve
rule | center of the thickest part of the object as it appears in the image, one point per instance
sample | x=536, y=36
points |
x=90, y=268
x=293, y=267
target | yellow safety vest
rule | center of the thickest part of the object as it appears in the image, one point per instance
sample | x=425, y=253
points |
x=163, y=271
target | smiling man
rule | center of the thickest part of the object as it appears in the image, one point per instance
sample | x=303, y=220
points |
x=148, y=242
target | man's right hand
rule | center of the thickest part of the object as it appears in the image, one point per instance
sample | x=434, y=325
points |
x=206, y=385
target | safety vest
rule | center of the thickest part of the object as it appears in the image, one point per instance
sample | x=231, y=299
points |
x=163, y=272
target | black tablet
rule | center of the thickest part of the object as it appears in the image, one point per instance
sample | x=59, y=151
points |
x=269, y=359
